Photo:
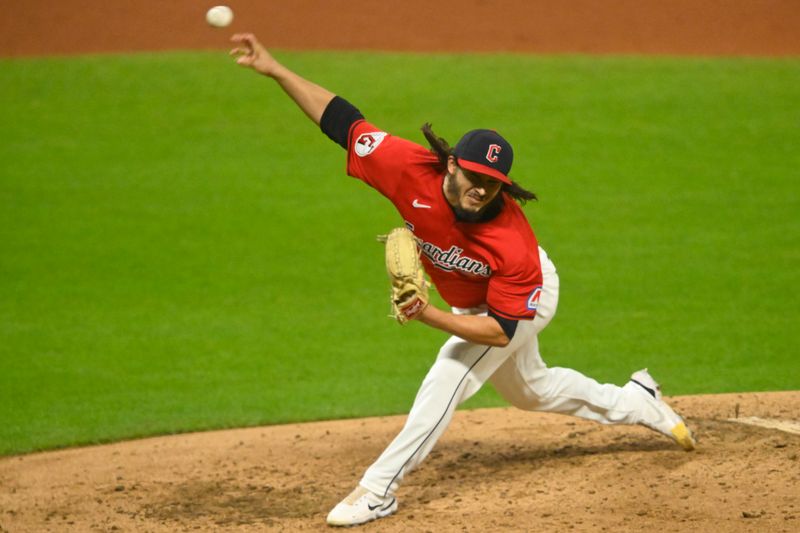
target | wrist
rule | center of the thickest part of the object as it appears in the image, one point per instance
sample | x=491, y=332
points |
x=426, y=314
x=273, y=69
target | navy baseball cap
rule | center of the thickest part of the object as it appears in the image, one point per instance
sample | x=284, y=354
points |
x=485, y=152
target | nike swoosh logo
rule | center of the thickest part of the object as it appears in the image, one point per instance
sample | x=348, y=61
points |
x=648, y=389
x=373, y=507
x=418, y=205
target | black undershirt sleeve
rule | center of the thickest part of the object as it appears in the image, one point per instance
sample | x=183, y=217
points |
x=337, y=119
x=509, y=326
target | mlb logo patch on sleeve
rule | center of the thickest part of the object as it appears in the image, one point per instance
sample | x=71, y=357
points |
x=533, y=299
x=368, y=142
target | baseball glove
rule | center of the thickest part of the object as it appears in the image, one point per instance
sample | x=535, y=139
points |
x=409, y=287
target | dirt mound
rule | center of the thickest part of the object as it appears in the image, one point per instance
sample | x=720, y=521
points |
x=494, y=470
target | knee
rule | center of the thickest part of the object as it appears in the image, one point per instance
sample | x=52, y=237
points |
x=540, y=384
x=524, y=400
x=528, y=395
x=536, y=391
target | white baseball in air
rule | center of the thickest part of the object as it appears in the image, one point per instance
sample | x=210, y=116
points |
x=219, y=16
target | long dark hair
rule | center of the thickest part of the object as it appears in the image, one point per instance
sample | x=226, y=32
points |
x=442, y=149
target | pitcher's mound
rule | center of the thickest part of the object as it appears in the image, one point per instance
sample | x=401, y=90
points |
x=494, y=470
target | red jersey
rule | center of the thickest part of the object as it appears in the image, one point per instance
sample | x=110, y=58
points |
x=495, y=263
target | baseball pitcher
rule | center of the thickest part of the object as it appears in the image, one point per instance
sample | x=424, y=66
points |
x=464, y=227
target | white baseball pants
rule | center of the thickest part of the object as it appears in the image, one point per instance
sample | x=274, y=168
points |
x=518, y=373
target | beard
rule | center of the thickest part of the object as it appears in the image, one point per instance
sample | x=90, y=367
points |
x=462, y=215
x=487, y=212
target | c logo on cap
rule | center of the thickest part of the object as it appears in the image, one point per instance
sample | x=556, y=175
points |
x=491, y=155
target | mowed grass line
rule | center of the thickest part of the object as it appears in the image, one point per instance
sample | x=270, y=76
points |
x=180, y=248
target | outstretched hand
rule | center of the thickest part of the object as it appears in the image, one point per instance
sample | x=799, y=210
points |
x=308, y=96
x=251, y=53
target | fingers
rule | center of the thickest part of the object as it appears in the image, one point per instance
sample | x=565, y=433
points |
x=239, y=37
x=240, y=51
x=244, y=41
x=243, y=56
x=247, y=39
x=250, y=53
x=248, y=48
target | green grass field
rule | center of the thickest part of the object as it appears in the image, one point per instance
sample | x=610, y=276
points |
x=180, y=249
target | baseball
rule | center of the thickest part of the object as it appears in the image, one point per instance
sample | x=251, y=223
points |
x=219, y=16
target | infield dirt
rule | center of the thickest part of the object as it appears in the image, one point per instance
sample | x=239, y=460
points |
x=495, y=469
x=679, y=27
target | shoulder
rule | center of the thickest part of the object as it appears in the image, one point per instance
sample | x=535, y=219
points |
x=518, y=249
x=385, y=161
x=368, y=139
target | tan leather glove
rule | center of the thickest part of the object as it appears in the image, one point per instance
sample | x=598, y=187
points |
x=409, y=287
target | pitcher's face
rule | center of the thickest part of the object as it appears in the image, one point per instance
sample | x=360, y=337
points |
x=469, y=191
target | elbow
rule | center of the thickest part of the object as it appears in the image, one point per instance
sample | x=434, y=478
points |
x=500, y=341
x=502, y=331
